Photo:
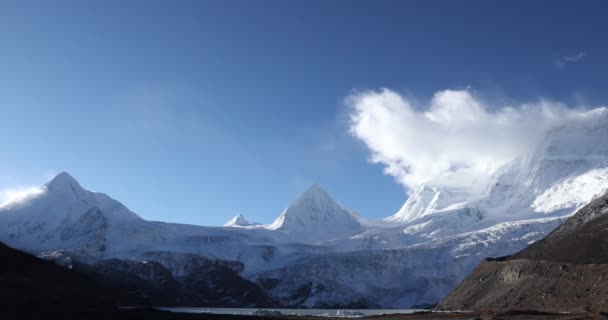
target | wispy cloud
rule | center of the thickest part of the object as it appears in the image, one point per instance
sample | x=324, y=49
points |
x=453, y=139
x=16, y=195
x=562, y=61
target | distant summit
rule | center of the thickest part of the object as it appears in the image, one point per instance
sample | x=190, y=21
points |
x=316, y=216
x=65, y=183
x=238, y=221
x=63, y=178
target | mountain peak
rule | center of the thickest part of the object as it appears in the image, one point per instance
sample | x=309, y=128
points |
x=315, y=187
x=315, y=193
x=64, y=190
x=237, y=221
x=63, y=179
x=316, y=215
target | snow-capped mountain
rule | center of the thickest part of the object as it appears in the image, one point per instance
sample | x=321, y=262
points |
x=318, y=253
x=445, y=228
x=63, y=215
x=314, y=216
x=237, y=221
x=567, y=170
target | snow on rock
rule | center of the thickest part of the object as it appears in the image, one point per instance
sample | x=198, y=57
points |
x=429, y=199
x=318, y=253
x=237, y=221
x=397, y=278
x=59, y=257
x=62, y=216
x=566, y=170
x=314, y=217
x=573, y=192
x=444, y=229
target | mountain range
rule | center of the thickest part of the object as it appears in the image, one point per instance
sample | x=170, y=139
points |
x=319, y=253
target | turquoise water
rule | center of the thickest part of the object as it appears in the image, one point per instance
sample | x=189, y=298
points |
x=296, y=312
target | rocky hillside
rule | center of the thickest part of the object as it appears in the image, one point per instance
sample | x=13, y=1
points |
x=582, y=239
x=567, y=271
x=28, y=283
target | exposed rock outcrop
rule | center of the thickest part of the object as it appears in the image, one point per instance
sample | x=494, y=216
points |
x=567, y=271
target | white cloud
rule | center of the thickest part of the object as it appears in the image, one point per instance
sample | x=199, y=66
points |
x=562, y=61
x=451, y=140
x=16, y=195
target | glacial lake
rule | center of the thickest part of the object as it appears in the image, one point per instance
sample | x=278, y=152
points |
x=294, y=312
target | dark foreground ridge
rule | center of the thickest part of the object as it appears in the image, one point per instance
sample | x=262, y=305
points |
x=567, y=271
x=31, y=288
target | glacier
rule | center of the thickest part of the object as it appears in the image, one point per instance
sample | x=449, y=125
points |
x=318, y=253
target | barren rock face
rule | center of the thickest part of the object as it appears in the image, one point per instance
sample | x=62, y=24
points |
x=565, y=271
x=532, y=285
x=583, y=238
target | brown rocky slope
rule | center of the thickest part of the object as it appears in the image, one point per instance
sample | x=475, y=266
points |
x=567, y=271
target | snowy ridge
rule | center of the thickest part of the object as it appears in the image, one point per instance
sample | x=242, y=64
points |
x=429, y=199
x=318, y=253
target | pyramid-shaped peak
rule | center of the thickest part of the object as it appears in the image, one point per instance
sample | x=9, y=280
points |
x=315, y=195
x=64, y=182
x=63, y=179
x=315, y=192
x=316, y=216
x=315, y=187
x=63, y=199
x=237, y=221
x=314, y=198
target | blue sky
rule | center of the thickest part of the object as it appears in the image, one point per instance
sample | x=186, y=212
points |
x=192, y=111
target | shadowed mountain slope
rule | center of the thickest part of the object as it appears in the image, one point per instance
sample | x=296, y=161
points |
x=567, y=271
